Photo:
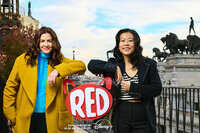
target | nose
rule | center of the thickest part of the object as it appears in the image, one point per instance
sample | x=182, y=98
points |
x=46, y=43
x=126, y=42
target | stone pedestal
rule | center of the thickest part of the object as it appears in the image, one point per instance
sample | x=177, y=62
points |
x=180, y=71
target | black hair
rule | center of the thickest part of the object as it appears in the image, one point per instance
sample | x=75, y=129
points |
x=136, y=57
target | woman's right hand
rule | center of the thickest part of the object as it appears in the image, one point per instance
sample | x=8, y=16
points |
x=118, y=75
x=51, y=80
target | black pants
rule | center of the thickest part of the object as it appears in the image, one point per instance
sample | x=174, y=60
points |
x=132, y=118
x=38, y=123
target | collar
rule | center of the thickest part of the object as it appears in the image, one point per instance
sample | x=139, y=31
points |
x=142, y=69
x=43, y=55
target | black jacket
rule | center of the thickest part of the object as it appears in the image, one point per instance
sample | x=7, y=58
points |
x=147, y=89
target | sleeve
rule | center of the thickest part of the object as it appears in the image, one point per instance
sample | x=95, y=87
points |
x=102, y=67
x=10, y=93
x=151, y=89
x=68, y=67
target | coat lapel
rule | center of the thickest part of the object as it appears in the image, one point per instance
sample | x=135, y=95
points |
x=51, y=91
x=29, y=82
x=142, y=71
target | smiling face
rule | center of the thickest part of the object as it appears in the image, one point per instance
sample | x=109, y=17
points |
x=46, y=43
x=126, y=44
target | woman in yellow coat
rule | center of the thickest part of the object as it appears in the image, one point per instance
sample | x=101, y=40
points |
x=33, y=98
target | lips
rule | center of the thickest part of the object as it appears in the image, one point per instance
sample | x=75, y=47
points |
x=126, y=48
x=46, y=48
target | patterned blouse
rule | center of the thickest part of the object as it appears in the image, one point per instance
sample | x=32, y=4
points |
x=125, y=94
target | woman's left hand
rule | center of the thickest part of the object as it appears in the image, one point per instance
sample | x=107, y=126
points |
x=52, y=77
x=125, y=85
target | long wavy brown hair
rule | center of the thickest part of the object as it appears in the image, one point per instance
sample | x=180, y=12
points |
x=34, y=50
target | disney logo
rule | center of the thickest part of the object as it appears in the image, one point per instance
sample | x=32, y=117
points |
x=107, y=124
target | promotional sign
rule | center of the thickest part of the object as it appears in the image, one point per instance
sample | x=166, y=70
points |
x=88, y=101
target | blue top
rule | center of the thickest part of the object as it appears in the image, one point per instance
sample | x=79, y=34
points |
x=41, y=82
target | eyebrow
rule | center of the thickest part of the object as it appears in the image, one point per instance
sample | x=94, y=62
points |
x=47, y=39
x=127, y=38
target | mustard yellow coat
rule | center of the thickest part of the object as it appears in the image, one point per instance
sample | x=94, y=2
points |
x=20, y=92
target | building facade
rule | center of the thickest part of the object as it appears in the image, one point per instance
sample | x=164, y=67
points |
x=27, y=20
x=178, y=106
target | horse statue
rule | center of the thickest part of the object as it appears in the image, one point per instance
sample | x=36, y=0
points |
x=194, y=44
x=175, y=45
x=159, y=54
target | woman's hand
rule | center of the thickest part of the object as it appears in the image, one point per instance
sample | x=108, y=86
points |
x=125, y=85
x=52, y=77
x=118, y=75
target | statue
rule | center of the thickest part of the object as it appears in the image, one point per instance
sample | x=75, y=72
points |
x=191, y=26
x=174, y=45
x=29, y=9
x=194, y=44
x=159, y=54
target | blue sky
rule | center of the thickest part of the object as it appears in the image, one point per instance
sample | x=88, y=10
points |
x=90, y=25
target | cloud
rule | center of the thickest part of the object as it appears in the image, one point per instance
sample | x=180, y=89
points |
x=91, y=26
x=21, y=1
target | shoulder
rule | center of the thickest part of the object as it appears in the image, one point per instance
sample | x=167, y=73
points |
x=97, y=61
x=111, y=60
x=150, y=61
x=114, y=61
x=68, y=60
x=20, y=61
x=21, y=58
x=64, y=59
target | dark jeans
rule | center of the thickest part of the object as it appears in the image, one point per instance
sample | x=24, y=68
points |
x=132, y=118
x=38, y=123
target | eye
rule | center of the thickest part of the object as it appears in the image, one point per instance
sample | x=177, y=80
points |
x=49, y=40
x=41, y=40
x=122, y=40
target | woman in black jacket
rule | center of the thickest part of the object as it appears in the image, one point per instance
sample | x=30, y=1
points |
x=136, y=84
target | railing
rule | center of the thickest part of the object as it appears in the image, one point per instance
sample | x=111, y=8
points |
x=178, y=110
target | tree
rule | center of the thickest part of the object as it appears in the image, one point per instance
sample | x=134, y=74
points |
x=15, y=42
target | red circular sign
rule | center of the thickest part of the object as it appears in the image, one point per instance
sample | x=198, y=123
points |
x=89, y=102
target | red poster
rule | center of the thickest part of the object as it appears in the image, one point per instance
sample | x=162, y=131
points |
x=89, y=101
